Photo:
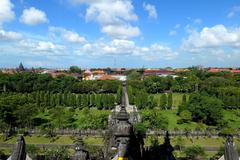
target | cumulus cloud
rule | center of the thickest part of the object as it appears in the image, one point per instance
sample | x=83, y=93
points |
x=127, y=48
x=156, y=52
x=31, y=46
x=121, y=31
x=6, y=12
x=212, y=38
x=67, y=35
x=234, y=10
x=114, y=16
x=152, y=13
x=33, y=16
x=9, y=35
x=172, y=33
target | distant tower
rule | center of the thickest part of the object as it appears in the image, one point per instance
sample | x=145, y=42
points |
x=21, y=68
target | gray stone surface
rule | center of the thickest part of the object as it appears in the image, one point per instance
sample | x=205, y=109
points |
x=230, y=151
x=19, y=152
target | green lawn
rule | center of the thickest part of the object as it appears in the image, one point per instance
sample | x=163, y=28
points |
x=231, y=116
x=66, y=139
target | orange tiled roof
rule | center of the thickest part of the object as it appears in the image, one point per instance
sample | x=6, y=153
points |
x=216, y=70
x=99, y=72
x=235, y=71
x=107, y=77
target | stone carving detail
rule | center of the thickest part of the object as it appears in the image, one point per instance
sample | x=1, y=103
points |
x=230, y=151
x=19, y=152
x=81, y=153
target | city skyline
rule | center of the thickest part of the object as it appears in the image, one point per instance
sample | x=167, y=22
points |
x=119, y=33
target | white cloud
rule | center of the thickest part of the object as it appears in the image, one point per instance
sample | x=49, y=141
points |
x=177, y=26
x=127, y=48
x=152, y=13
x=197, y=21
x=156, y=52
x=216, y=37
x=114, y=16
x=121, y=31
x=30, y=46
x=33, y=16
x=9, y=35
x=67, y=35
x=6, y=13
x=172, y=33
x=234, y=10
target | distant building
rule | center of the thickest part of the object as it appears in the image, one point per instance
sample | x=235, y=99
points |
x=98, y=73
x=159, y=72
x=217, y=70
x=58, y=74
x=9, y=71
x=87, y=75
x=179, y=70
x=111, y=77
x=235, y=71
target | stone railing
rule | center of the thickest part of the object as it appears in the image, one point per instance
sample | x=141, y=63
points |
x=101, y=133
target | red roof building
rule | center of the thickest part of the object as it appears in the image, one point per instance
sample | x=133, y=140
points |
x=149, y=72
x=216, y=70
x=235, y=71
x=107, y=77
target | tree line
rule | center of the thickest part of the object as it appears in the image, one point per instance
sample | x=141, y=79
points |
x=32, y=82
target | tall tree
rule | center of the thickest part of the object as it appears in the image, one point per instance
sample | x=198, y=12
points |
x=163, y=101
x=170, y=101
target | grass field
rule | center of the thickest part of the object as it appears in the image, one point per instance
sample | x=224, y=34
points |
x=231, y=116
x=66, y=139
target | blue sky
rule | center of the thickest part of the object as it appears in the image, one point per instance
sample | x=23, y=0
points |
x=119, y=33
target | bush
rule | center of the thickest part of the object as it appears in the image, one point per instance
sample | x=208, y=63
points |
x=60, y=153
x=32, y=150
x=194, y=152
x=186, y=116
x=140, y=129
x=153, y=119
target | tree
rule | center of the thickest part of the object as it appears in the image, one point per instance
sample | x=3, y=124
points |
x=163, y=101
x=130, y=95
x=152, y=102
x=206, y=109
x=170, y=101
x=98, y=101
x=92, y=100
x=154, y=119
x=84, y=100
x=75, y=69
x=134, y=75
x=141, y=99
x=57, y=117
x=78, y=101
x=184, y=99
x=119, y=94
